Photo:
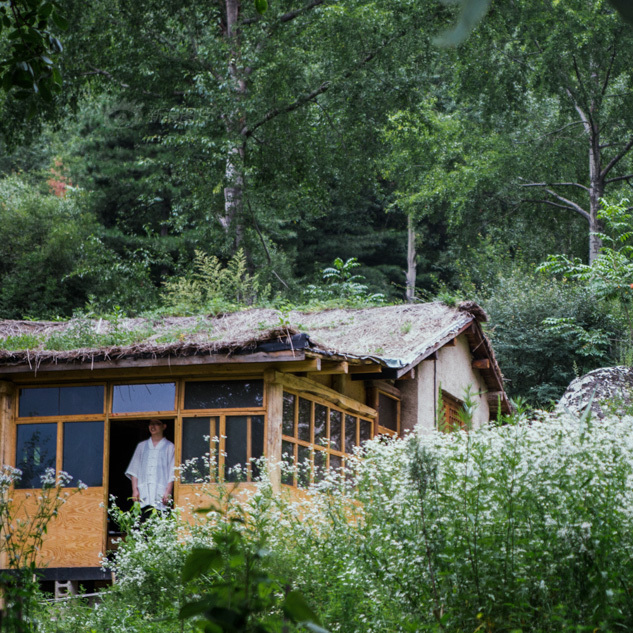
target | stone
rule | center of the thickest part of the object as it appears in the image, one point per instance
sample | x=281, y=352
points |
x=611, y=387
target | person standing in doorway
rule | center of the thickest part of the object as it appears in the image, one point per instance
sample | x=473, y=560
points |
x=152, y=469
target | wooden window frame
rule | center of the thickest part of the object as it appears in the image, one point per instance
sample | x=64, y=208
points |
x=452, y=406
x=310, y=444
x=375, y=390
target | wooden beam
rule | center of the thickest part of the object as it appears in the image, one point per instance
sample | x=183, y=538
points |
x=314, y=364
x=410, y=375
x=451, y=343
x=373, y=368
x=274, y=420
x=305, y=385
x=481, y=363
x=165, y=362
x=7, y=392
x=432, y=356
x=330, y=367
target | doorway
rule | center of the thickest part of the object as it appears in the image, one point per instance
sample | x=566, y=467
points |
x=124, y=436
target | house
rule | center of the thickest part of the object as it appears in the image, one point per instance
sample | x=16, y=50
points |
x=76, y=396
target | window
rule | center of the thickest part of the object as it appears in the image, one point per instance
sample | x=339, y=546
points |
x=146, y=397
x=49, y=401
x=224, y=394
x=450, y=416
x=385, y=398
x=227, y=444
x=36, y=452
x=83, y=452
x=317, y=436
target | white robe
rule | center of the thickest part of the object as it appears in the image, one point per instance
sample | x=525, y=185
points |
x=153, y=467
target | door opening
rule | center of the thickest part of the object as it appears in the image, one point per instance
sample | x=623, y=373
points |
x=124, y=436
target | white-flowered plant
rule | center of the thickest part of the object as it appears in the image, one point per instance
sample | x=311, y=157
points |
x=522, y=527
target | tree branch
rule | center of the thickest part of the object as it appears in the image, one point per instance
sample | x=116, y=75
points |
x=618, y=178
x=562, y=206
x=555, y=184
x=324, y=87
x=608, y=74
x=616, y=159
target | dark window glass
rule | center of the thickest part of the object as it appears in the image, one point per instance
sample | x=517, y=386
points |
x=365, y=430
x=36, y=451
x=387, y=412
x=288, y=458
x=197, y=446
x=61, y=401
x=350, y=433
x=147, y=397
x=304, y=467
x=257, y=442
x=224, y=394
x=320, y=424
x=336, y=462
x=288, y=423
x=235, y=446
x=320, y=464
x=83, y=452
x=335, y=430
x=305, y=413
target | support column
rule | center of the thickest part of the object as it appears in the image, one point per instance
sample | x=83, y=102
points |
x=274, y=418
x=7, y=392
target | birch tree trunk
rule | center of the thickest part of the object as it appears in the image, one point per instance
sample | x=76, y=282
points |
x=411, y=260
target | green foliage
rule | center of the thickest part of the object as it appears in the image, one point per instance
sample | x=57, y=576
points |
x=519, y=527
x=22, y=529
x=342, y=287
x=610, y=276
x=212, y=287
x=31, y=62
x=536, y=341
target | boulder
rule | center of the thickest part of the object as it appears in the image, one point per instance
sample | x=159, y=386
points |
x=611, y=387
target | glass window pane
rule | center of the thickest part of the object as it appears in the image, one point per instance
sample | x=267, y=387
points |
x=288, y=420
x=387, y=412
x=320, y=464
x=61, y=401
x=288, y=458
x=197, y=446
x=320, y=425
x=305, y=413
x=365, y=430
x=83, y=452
x=36, y=451
x=304, y=466
x=336, y=463
x=147, y=397
x=224, y=394
x=335, y=430
x=350, y=433
x=257, y=442
x=235, y=446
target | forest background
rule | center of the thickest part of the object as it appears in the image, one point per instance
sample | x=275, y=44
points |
x=204, y=156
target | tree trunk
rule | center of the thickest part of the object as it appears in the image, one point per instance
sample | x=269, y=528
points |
x=411, y=260
x=596, y=190
x=235, y=123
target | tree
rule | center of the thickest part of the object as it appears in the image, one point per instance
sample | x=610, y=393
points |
x=574, y=58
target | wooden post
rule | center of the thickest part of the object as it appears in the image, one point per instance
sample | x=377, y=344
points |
x=7, y=391
x=274, y=416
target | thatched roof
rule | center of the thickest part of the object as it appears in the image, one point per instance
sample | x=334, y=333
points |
x=392, y=339
x=394, y=336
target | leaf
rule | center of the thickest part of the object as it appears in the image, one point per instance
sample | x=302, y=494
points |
x=261, y=6
x=199, y=561
x=470, y=14
x=296, y=608
x=60, y=21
